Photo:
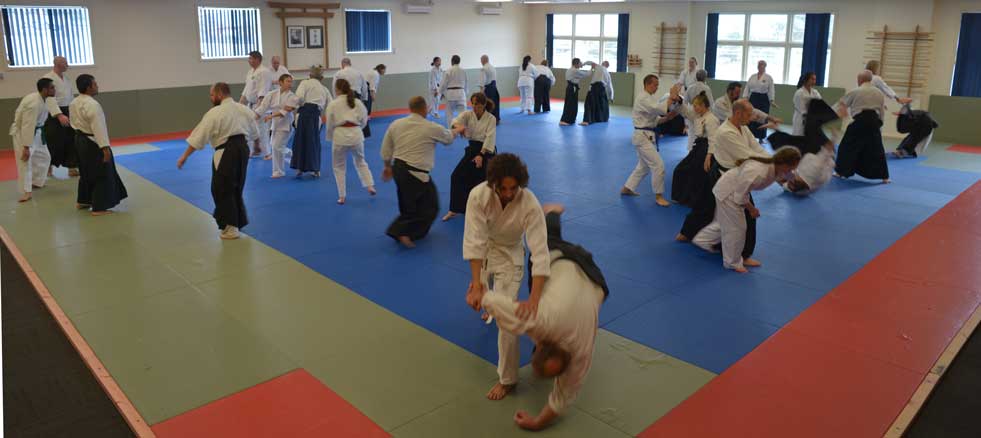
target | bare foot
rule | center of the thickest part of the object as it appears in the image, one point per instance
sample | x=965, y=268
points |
x=372, y=191
x=661, y=201
x=740, y=270
x=836, y=175
x=563, y=124
x=583, y=124
x=484, y=316
x=627, y=192
x=449, y=215
x=886, y=181
x=25, y=198
x=340, y=201
x=316, y=174
x=499, y=391
x=72, y=172
x=752, y=263
x=553, y=208
x=276, y=176
x=82, y=206
x=102, y=213
x=299, y=173
x=681, y=238
x=267, y=157
x=406, y=242
x=37, y=186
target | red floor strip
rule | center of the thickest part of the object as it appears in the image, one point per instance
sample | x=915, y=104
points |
x=401, y=111
x=293, y=405
x=8, y=167
x=125, y=141
x=848, y=365
x=963, y=148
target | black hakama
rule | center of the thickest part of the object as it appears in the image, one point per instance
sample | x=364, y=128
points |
x=597, y=107
x=542, y=87
x=570, y=109
x=61, y=142
x=703, y=212
x=418, y=203
x=813, y=140
x=228, y=183
x=490, y=90
x=306, y=140
x=918, y=125
x=861, y=149
x=689, y=178
x=99, y=185
x=675, y=126
x=367, y=127
x=466, y=176
x=760, y=101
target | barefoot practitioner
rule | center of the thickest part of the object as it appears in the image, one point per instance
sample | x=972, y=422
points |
x=99, y=186
x=27, y=131
x=647, y=114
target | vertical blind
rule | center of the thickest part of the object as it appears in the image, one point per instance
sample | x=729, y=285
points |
x=35, y=35
x=228, y=32
x=967, y=70
x=368, y=31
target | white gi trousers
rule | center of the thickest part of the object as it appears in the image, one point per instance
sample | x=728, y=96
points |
x=278, y=143
x=729, y=229
x=506, y=278
x=648, y=161
x=433, y=102
x=340, y=166
x=527, y=95
x=263, y=133
x=34, y=171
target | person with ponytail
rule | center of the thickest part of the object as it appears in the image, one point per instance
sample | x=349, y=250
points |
x=480, y=126
x=691, y=176
x=346, y=117
x=732, y=197
x=573, y=78
x=802, y=99
x=526, y=84
x=435, y=79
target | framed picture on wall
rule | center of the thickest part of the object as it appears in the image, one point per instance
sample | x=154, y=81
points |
x=295, y=37
x=315, y=37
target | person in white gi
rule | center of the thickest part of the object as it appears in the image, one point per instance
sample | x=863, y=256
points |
x=480, y=127
x=526, y=84
x=99, y=186
x=501, y=213
x=802, y=98
x=373, y=79
x=597, y=106
x=761, y=92
x=608, y=81
x=881, y=84
x=314, y=98
x=813, y=172
x=573, y=77
x=277, y=110
x=695, y=89
x=646, y=115
x=732, y=198
x=353, y=77
x=454, y=89
x=488, y=85
x=346, y=116
x=435, y=79
x=277, y=68
x=687, y=78
x=259, y=81
x=60, y=137
x=30, y=151
x=229, y=128
x=565, y=325
x=543, y=86
x=722, y=107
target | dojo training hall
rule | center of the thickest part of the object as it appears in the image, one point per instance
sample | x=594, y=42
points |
x=128, y=312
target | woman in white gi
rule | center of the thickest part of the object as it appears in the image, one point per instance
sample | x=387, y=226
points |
x=691, y=176
x=480, y=127
x=277, y=111
x=30, y=151
x=761, y=93
x=435, y=80
x=802, y=98
x=732, y=199
x=454, y=89
x=647, y=114
x=501, y=213
x=526, y=84
x=346, y=117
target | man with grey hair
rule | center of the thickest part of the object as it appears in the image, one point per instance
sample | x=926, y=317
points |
x=353, y=77
x=278, y=69
x=488, y=85
x=57, y=130
x=861, y=149
x=314, y=97
x=258, y=83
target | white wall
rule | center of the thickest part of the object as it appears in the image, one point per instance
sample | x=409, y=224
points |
x=147, y=44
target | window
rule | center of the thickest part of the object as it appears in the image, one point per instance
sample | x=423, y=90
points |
x=368, y=31
x=34, y=35
x=778, y=39
x=228, y=32
x=589, y=37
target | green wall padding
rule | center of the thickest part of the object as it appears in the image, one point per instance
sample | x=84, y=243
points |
x=785, y=97
x=958, y=119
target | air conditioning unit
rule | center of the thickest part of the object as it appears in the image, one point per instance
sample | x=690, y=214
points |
x=411, y=8
x=490, y=10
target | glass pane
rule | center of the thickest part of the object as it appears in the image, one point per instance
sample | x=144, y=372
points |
x=774, y=61
x=768, y=27
x=562, y=24
x=729, y=63
x=561, y=53
x=732, y=27
x=610, y=54
x=831, y=30
x=793, y=70
x=611, y=24
x=587, y=50
x=797, y=34
x=588, y=25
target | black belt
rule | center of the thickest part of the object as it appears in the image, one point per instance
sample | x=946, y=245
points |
x=454, y=88
x=84, y=133
x=218, y=148
x=645, y=129
x=491, y=83
x=409, y=166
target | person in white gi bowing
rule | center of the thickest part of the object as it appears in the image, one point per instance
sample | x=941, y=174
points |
x=57, y=129
x=306, y=142
x=277, y=68
x=435, y=79
x=502, y=214
x=258, y=83
x=543, y=86
x=228, y=127
x=802, y=98
x=358, y=84
x=573, y=77
x=646, y=115
x=99, y=186
x=761, y=93
x=564, y=326
x=454, y=89
x=27, y=132
x=372, y=79
x=488, y=85
x=346, y=117
x=408, y=151
x=480, y=127
x=597, y=106
x=861, y=150
x=277, y=110
x=526, y=84
x=687, y=78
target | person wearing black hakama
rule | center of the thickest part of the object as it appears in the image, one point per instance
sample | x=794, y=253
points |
x=306, y=139
x=57, y=129
x=919, y=126
x=597, y=106
x=761, y=93
x=573, y=77
x=480, y=127
x=99, y=185
x=691, y=174
x=488, y=85
x=543, y=86
x=861, y=151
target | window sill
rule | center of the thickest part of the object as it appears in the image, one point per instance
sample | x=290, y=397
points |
x=380, y=52
x=47, y=67
x=238, y=58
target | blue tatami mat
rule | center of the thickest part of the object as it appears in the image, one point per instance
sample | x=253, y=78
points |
x=670, y=296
